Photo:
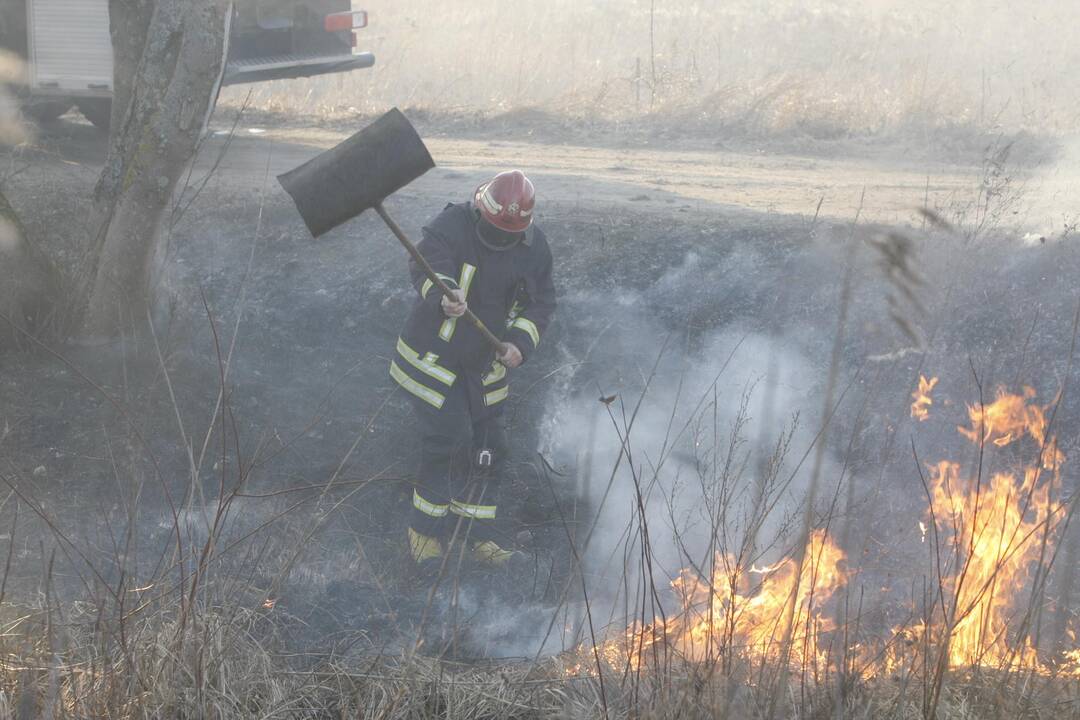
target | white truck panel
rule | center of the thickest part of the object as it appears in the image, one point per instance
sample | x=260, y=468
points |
x=70, y=47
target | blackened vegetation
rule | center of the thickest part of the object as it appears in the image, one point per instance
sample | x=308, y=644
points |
x=299, y=471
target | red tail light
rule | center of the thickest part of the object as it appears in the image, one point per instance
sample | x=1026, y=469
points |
x=345, y=21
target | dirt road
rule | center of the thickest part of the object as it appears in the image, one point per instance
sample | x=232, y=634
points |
x=654, y=180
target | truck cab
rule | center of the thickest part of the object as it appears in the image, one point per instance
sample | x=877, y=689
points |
x=69, y=55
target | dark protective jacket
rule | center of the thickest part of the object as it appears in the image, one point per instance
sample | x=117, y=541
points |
x=510, y=290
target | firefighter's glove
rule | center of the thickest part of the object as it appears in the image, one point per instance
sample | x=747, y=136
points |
x=456, y=307
x=510, y=355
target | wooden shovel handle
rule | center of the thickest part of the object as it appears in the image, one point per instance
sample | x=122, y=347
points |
x=495, y=342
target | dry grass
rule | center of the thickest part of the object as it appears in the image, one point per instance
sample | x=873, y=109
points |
x=222, y=666
x=737, y=69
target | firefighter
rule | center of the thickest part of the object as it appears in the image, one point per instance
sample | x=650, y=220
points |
x=498, y=264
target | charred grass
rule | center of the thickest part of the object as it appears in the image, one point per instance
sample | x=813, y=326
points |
x=199, y=631
x=198, y=628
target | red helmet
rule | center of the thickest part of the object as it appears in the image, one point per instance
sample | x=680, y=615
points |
x=506, y=201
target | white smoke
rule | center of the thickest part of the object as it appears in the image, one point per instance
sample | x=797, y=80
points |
x=700, y=441
x=697, y=441
x=1050, y=212
x=13, y=130
x=9, y=237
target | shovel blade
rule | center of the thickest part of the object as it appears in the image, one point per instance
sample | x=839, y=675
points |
x=357, y=174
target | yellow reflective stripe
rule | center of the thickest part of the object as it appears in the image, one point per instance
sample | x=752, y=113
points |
x=426, y=287
x=428, y=508
x=426, y=394
x=446, y=331
x=426, y=364
x=477, y=512
x=522, y=323
x=496, y=396
x=497, y=373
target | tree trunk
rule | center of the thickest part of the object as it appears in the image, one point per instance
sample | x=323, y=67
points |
x=171, y=93
x=129, y=23
x=29, y=283
x=13, y=26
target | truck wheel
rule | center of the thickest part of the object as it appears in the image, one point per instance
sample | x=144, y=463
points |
x=98, y=111
x=46, y=111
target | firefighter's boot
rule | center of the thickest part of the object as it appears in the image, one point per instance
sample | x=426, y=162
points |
x=488, y=553
x=425, y=550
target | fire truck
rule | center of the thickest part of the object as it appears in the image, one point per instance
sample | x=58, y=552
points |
x=69, y=56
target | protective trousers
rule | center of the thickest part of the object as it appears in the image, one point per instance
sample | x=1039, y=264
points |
x=462, y=453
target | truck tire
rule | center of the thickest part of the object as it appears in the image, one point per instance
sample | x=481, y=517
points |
x=98, y=111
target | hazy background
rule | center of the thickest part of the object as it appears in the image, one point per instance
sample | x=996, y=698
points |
x=820, y=69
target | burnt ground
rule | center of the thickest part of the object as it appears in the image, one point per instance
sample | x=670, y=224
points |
x=320, y=440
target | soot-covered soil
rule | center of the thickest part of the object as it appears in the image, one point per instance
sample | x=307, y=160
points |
x=314, y=430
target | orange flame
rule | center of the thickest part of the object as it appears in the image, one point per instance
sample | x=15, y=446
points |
x=990, y=537
x=994, y=530
x=990, y=533
x=719, y=618
x=1008, y=419
x=920, y=409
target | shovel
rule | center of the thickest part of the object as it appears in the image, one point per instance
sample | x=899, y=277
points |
x=358, y=175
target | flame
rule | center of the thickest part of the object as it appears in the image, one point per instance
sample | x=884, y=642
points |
x=993, y=532
x=722, y=617
x=920, y=409
x=767, y=569
x=1071, y=664
x=990, y=536
x=991, y=539
x=1008, y=419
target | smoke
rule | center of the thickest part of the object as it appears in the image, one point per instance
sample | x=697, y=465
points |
x=695, y=455
x=673, y=437
x=9, y=237
x=1051, y=213
x=12, y=74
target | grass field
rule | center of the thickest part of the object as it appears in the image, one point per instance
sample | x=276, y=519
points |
x=824, y=70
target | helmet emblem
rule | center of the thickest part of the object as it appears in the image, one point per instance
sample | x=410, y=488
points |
x=514, y=208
